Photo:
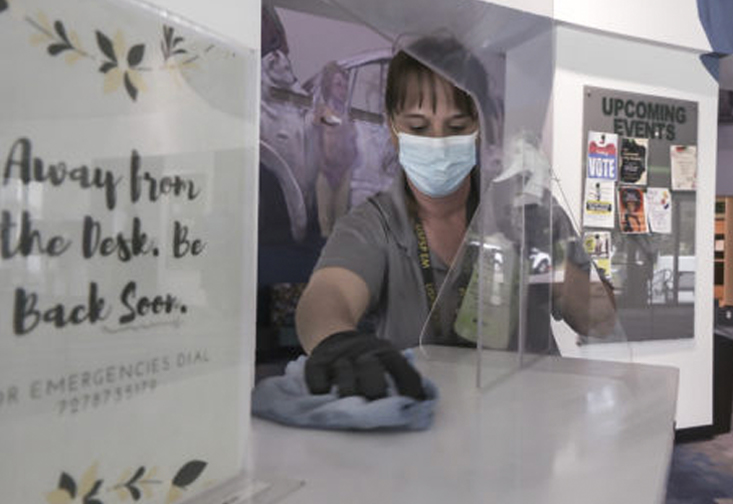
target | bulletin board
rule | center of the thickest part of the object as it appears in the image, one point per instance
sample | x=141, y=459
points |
x=639, y=198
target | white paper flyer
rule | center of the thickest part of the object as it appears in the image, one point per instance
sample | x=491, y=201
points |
x=659, y=203
x=598, y=205
x=684, y=167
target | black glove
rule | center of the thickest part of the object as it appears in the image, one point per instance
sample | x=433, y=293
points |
x=356, y=363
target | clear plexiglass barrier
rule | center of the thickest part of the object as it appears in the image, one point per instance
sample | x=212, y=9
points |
x=522, y=277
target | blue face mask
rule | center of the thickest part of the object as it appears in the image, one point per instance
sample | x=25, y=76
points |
x=436, y=166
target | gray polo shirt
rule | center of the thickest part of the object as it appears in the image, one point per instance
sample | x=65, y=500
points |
x=376, y=240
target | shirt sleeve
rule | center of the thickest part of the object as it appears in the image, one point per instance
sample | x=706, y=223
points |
x=358, y=243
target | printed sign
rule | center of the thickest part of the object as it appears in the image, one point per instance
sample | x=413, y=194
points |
x=633, y=160
x=597, y=245
x=602, y=150
x=684, y=167
x=598, y=206
x=631, y=210
x=659, y=202
x=123, y=330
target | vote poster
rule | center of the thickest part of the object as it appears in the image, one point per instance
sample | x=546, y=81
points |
x=684, y=167
x=633, y=160
x=632, y=216
x=602, y=151
x=599, y=204
x=659, y=202
x=127, y=147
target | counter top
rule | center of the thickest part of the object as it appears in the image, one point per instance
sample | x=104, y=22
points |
x=557, y=431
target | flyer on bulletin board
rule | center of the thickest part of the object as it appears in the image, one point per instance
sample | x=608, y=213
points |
x=633, y=161
x=659, y=203
x=632, y=216
x=597, y=245
x=598, y=205
x=684, y=167
x=601, y=161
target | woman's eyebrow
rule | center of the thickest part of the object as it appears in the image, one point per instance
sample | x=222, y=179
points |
x=414, y=115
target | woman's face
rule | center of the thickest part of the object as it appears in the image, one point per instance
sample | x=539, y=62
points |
x=421, y=118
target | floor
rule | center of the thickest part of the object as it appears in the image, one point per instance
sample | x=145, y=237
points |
x=702, y=472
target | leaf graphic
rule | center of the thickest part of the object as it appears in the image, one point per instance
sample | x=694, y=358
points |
x=93, y=491
x=72, y=58
x=107, y=66
x=135, y=55
x=131, y=89
x=180, y=51
x=89, y=497
x=3, y=5
x=136, y=80
x=121, y=494
x=189, y=473
x=177, y=41
x=74, y=39
x=58, y=496
x=55, y=49
x=43, y=21
x=135, y=492
x=89, y=484
x=59, y=27
x=138, y=474
x=167, y=34
x=105, y=45
x=39, y=38
x=112, y=80
x=173, y=495
x=67, y=483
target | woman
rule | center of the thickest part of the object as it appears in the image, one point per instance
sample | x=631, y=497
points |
x=372, y=261
x=388, y=257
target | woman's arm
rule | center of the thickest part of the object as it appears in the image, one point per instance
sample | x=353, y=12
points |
x=334, y=301
x=587, y=305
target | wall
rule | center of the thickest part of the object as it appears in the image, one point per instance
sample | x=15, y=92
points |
x=585, y=57
x=674, y=22
x=653, y=20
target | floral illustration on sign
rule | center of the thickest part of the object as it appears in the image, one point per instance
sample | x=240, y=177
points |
x=113, y=69
x=87, y=490
x=135, y=485
x=122, y=66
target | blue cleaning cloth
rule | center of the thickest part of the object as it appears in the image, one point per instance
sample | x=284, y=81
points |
x=286, y=400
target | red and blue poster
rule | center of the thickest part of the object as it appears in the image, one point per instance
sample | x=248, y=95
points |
x=601, y=162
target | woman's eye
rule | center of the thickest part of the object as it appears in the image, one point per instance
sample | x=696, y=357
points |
x=418, y=128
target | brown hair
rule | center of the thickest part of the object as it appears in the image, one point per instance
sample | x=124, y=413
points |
x=456, y=60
